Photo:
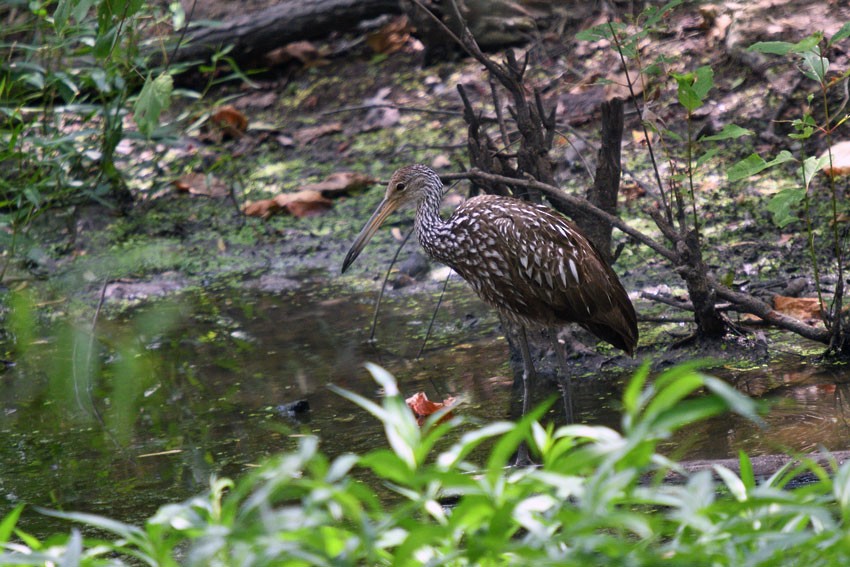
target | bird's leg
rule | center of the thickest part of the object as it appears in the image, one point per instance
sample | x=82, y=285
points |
x=567, y=381
x=528, y=373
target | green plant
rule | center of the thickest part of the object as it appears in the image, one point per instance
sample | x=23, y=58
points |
x=808, y=54
x=596, y=498
x=73, y=69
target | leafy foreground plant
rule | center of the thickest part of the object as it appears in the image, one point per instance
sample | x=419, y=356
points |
x=596, y=498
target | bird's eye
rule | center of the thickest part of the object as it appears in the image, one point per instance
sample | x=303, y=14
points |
x=400, y=186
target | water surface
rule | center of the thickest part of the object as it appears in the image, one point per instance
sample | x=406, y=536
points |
x=166, y=396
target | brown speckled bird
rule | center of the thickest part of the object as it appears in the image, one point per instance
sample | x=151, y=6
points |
x=525, y=260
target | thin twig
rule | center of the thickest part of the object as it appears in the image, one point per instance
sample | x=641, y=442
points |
x=182, y=35
x=384, y=285
x=684, y=305
x=433, y=317
x=664, y=201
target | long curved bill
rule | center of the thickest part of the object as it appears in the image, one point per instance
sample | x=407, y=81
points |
x=385, y=208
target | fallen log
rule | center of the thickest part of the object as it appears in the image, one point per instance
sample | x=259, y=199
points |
x=763, y=466
x=252, y=35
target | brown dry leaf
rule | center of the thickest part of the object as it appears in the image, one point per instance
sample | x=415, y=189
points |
x=840, y=159
x=631, y=191
x=257, y=99
x=341, y=183
x=422, y=407
x=201, y=184
x=230, y=120
x=306, y=136
x=263, y=209
x=303, y=203
x=440, y=161
x=619, y=85
x=803, y=308
x=391, y=37
x=303, y=52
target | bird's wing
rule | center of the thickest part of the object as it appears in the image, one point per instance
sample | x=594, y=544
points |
x=556, y=268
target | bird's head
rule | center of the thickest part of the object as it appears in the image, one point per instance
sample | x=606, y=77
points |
x=409, y=184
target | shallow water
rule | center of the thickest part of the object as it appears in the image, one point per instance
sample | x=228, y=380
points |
x=178, y=391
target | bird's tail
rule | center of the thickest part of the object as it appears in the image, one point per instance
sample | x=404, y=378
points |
x=617, y=326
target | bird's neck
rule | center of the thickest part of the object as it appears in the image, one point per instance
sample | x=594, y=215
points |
x=433, y=232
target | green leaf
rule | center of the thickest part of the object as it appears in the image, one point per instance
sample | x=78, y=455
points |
x=748, y=166
x=386, y=464
x=9, y=522
x=673, y=393
x=747, y=476
x=811, y=165
x=154, y=98
x=843, y=33
x=772, y=47
x=815, y=67
x=686, y=412
x=81, y=10
x=688, y=95
x=729, y=131
x=784, y=204
x=601, y=31
x=753, y=164
x=61, y=14
x=704, y=81
x=733, y=483
x=631, y=396
x=735, y=400
x=705, y=157
x=126, y=531
x=841, y=489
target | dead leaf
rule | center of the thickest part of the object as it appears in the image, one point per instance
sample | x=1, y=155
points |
x=201, y=184
x=422, y=407
x=840, y=159
x=263, y=208
x=382, y=115
x=440, y=161
x=257, y=99
x=303, y=203
x=631, y=191
x=803, y=308
x=303, y=52
x=784, y=239
x=341, y=183
x=308, y=135
x=230, y=121
x=285, y=141
x=619, y=85
x=391, y=37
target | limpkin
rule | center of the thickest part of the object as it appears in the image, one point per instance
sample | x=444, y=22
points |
x=525, y=260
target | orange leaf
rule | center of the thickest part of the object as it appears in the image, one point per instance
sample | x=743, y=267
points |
x=303, y=203
x=391, y=37
x=422, y=407
x=230, y=120
x=263, y=209
x=803, y=308
x=302, y=51
x=201, y=184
